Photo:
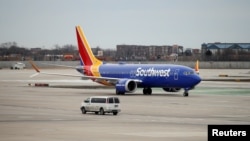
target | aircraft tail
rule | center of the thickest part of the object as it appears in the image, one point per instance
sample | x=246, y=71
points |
x=86, y=55
x=196, y=68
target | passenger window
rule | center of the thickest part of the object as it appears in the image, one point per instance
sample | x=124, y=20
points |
x=98, y=100
x=188, y=72
x=103, y=100
x=111, y=100
x=117, y=100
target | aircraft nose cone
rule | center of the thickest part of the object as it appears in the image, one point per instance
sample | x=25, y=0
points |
x=197, y=79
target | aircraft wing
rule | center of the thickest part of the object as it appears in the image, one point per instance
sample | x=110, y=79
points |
x=95, y=78
x=59, y=65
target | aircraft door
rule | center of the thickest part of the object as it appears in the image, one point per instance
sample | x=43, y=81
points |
x=176, y=73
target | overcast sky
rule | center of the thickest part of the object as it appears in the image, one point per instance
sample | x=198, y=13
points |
x=107, y=23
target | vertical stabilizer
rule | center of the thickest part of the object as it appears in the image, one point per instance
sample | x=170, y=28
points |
x=86, y=55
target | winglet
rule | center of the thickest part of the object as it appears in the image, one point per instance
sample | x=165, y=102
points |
x=34, y=66
x=196, y=68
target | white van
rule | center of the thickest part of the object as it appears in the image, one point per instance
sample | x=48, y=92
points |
x=101, y=105
x=18, y=65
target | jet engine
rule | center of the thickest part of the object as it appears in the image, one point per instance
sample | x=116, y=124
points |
x=171, y=89
x=125, y=85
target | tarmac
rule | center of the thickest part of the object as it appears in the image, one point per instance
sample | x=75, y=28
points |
x=52, y=113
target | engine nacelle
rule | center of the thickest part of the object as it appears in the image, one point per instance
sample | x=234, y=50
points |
x=171, y=89
x=125, y=85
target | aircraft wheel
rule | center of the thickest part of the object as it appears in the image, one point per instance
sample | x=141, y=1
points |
x=185, y=94
x=119, y=93
x=147, y=91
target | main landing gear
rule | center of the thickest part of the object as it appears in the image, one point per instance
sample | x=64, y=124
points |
x=147, y=91
x=185, y=94
x=119, y=93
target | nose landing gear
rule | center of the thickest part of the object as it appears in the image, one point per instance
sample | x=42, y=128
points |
x=185, y=94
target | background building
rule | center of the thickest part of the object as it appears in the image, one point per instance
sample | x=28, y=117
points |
x=225, y=51
x=142, y=52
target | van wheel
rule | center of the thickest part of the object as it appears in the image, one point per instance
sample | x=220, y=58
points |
x=83, y=110
x=96, y=113
x=115, y=113
x=102, y=111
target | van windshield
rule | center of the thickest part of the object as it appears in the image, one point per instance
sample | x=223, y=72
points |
x=86, y=100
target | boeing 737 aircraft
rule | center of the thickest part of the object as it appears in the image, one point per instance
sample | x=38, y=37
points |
x=126, y=78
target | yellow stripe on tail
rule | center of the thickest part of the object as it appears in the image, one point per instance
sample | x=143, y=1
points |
x=85, y=51
x=196, y=68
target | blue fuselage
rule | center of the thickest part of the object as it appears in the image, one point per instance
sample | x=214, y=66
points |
x=152, y=75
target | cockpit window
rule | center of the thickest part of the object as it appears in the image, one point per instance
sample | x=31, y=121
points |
x=188, y=72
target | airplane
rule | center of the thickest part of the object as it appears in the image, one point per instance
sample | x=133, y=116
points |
x=126, y=78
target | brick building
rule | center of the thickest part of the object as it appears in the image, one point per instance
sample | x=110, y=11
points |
x=142, y=52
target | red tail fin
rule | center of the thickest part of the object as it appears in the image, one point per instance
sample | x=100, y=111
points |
x=86, y=54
